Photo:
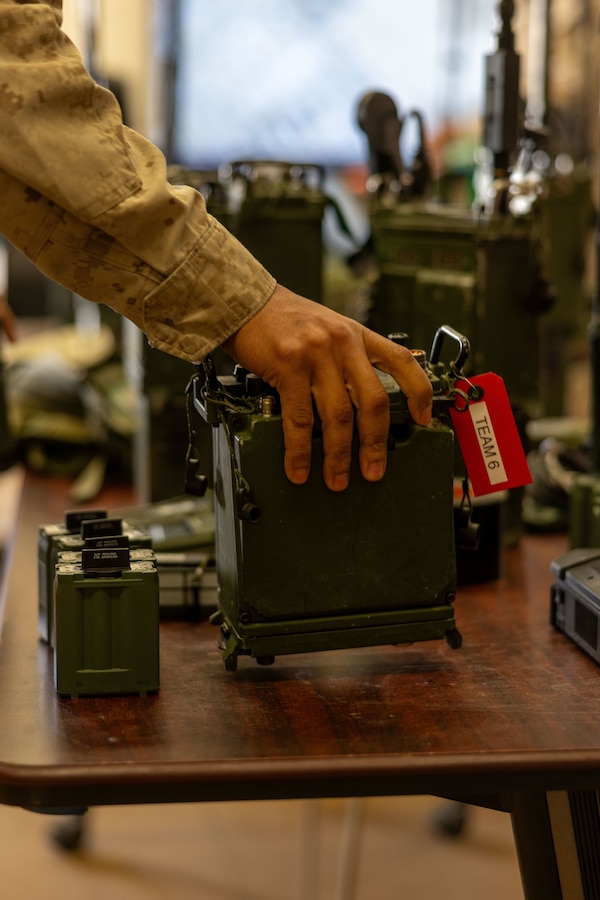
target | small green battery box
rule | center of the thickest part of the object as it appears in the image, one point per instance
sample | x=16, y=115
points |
x=106, y=622
x=79, y=525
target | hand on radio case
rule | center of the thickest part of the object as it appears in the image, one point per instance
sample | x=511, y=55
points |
x=306, y=351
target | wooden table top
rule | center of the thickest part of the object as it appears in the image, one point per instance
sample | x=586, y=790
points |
x=516, y=708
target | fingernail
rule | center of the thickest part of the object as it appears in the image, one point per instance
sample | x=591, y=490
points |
x=423, y=416
x=338, y=483
x=375, y=471
x=299, y=475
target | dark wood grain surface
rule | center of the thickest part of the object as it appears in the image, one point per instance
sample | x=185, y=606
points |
x=517, y=708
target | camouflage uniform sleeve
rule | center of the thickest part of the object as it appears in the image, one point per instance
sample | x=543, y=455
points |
x=87, y=200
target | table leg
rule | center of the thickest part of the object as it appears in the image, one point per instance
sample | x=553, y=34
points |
x=557, y=836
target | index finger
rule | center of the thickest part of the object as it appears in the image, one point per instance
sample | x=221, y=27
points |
x=400, y=363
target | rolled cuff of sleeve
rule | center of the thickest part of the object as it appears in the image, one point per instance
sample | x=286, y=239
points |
x=215, y=291
x=216, y=288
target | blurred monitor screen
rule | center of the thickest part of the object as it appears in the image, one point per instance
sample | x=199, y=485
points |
x=282, y=79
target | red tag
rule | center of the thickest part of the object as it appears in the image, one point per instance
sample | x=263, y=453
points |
x=488, y=438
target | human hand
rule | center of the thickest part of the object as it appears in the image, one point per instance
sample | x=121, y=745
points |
x=8, y=323
x=305, y=351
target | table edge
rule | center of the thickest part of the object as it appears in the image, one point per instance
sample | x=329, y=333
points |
x=40, y=787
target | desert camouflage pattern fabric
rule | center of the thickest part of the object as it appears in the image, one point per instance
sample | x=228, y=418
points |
x=87, y=200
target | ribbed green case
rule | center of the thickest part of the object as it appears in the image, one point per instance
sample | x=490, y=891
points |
x=106, y=630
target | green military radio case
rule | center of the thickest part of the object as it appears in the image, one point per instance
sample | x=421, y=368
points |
x=301, y=568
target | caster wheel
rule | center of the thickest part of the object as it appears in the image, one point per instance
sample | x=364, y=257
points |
x=69, y=833
x=451, y=819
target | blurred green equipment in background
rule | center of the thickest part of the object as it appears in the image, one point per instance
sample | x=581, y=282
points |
x=276, y=210
x=480, y=268
x=482, y=272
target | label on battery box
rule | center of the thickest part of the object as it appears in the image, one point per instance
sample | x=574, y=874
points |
x=488, y=438
x=74, y=518
x=105, y=560
x=101, y=528
x=107, y=543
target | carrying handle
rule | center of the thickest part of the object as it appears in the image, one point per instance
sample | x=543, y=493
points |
x=464, y=347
